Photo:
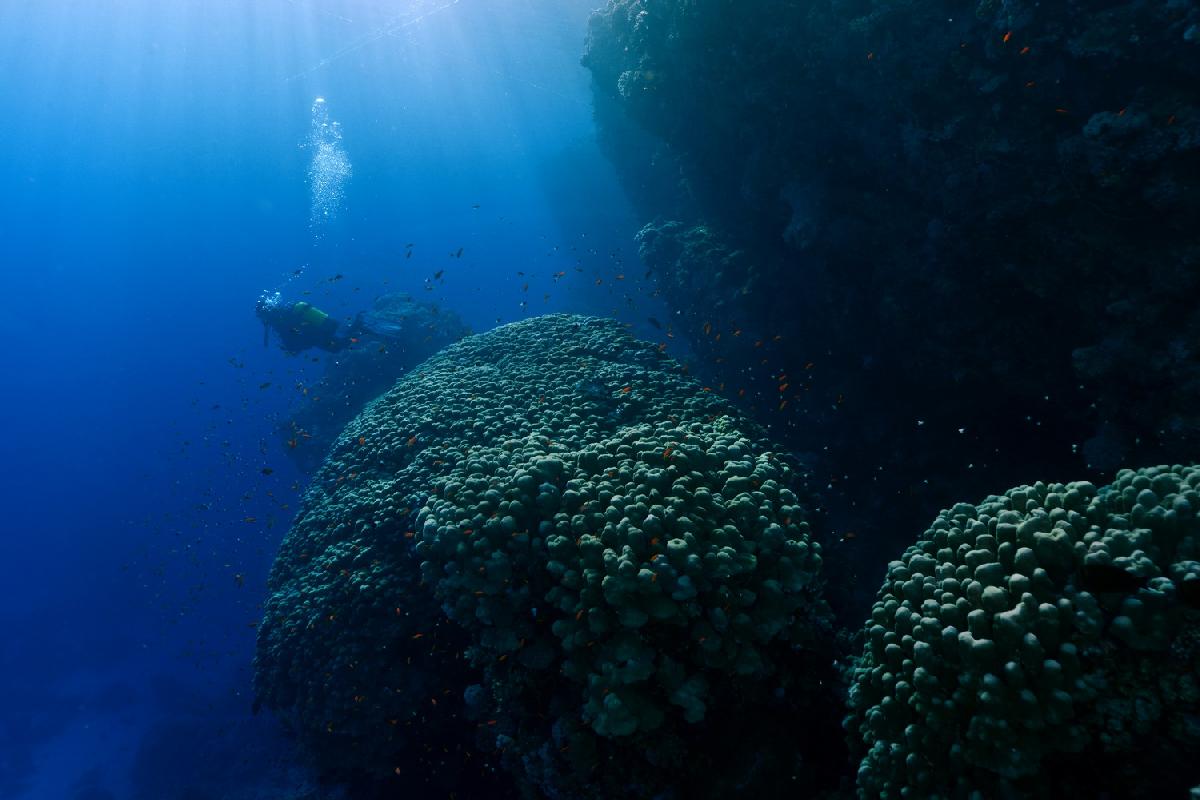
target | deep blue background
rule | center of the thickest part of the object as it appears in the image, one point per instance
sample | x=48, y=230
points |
x=152, y=184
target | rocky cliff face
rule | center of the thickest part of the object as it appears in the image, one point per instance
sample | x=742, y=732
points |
x=963, y=217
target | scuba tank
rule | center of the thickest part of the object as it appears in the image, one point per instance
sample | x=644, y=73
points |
x=307, y=314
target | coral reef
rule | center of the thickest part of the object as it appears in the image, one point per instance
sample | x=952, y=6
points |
x=1043, y=643
x=550, y=536
x=396, y=334
x=984, y=213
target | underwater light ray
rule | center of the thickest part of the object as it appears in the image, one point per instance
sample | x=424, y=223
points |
x=499, y=73
x=323, y=11
x=388, y=28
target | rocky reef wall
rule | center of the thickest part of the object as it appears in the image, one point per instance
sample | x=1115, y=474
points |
x=975, y=224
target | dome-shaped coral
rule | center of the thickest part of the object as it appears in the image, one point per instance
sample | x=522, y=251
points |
x=615, y=551
x=1042, y=643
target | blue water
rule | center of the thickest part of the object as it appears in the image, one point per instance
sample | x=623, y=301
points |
x=155, y=178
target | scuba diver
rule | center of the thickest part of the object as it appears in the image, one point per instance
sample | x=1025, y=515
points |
x=300, y=325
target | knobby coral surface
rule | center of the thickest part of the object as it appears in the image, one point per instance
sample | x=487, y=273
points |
x=549, y=535
x=1043, y=643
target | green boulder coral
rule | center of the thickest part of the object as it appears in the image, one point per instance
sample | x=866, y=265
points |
x=1043, y=643
x=554, y=513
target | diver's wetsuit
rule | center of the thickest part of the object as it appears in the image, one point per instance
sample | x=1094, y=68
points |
x=301, y=326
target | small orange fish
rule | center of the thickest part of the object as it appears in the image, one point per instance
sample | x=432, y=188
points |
x=626, y=389
x=417, y=635
x=1025, y=50
x=667, y=453
x=783, y=387
x=1007, y=36
x=362, y=440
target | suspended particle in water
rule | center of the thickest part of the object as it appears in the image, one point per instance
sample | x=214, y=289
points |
x=329, y=169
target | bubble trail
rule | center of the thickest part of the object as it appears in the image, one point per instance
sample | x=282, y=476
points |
x=330, y=167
